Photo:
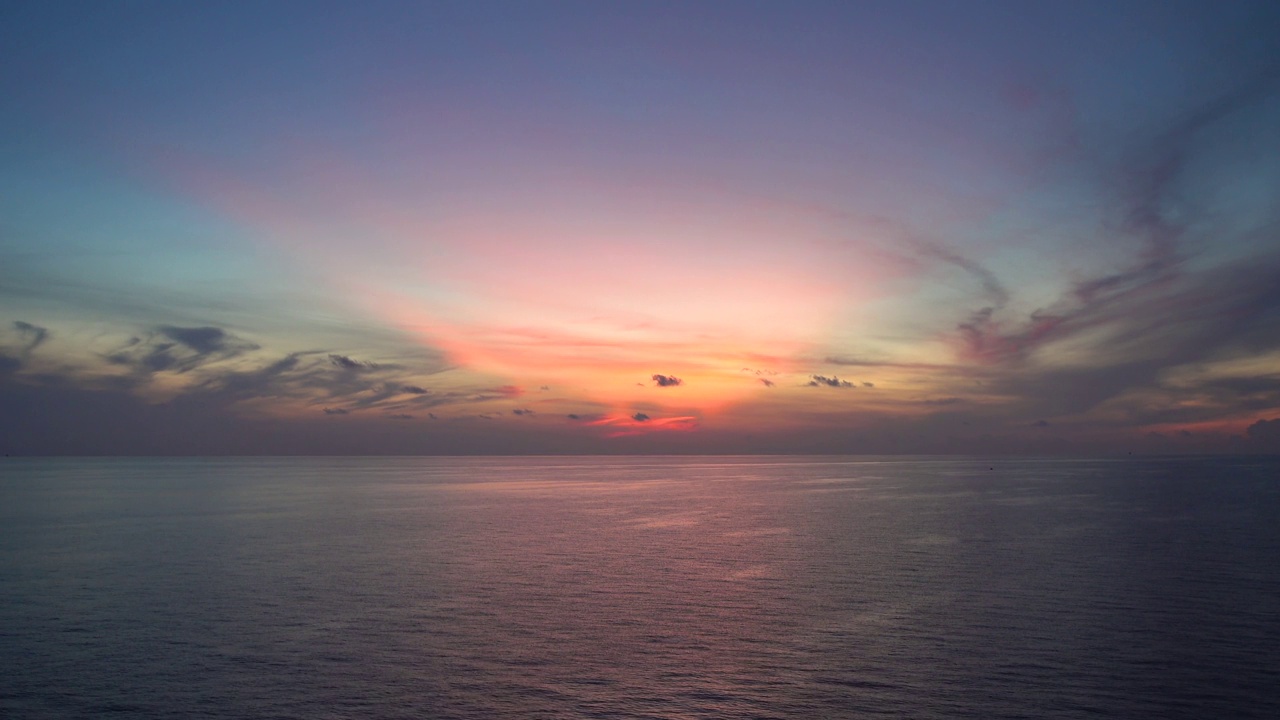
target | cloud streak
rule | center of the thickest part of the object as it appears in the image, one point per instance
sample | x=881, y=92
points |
x=824, y=381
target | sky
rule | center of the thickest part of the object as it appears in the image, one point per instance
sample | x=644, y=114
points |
x=639, y=227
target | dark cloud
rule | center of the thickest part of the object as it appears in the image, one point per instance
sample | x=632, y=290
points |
x=574, y=416
x=277, y=379
x=207, y=343
x=824, y=381
x=1170, y=305
x=96, y=409
x=203, y=340
x=1214, y=314
x=400, y=416
x=32, y=335
x=178, y=349
x=640, y=417
x=767, y=382
x=29, y=338
x=345, y=362
x=667, y=380
x=1040, y=424
x=868, y=384
x=159, y=359
x=1160, y=209
x=311, y=377
x=521, y=411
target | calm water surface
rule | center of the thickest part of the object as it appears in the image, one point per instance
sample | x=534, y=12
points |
x=639, y=588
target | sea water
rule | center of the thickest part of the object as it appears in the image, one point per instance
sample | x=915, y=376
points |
x=743, y=587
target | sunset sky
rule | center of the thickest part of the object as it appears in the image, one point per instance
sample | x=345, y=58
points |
x=850, y=227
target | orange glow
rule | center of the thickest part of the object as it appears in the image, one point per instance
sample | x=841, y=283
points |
x=625, y=426
x=589, y=290
x=596, y=362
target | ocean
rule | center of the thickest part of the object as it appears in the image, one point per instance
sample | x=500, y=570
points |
x=640, y=587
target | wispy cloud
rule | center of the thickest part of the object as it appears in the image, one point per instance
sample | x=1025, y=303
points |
x=178, y=350
x=347, y=363
x=32, y=335
x=1108, y=340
